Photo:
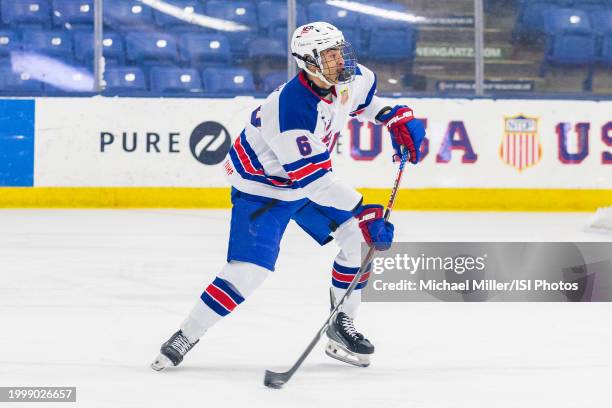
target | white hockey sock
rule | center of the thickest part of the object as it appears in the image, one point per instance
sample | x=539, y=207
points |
x=351, y=305
x=236, y=281
x=346, y=265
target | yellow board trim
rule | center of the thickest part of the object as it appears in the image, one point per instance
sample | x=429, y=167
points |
x=429, y=199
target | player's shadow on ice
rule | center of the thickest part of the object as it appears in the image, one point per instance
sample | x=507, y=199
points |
x=216, y=370
x=331, y=367
x=254, y=370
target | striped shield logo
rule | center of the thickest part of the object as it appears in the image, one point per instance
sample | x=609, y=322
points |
x=520, y=147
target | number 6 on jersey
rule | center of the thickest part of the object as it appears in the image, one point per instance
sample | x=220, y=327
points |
x=304, y=145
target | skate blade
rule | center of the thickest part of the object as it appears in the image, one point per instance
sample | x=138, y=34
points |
x=339, y=352
x=161, y=362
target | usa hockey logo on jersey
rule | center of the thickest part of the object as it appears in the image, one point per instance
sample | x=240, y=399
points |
x=520, y=147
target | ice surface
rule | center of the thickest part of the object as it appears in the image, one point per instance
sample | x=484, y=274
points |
x=87, y=297
x=601, y=221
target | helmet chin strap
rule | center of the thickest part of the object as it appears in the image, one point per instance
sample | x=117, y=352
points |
x=318, y=75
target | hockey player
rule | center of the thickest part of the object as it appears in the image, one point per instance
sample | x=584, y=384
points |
x=280, y=170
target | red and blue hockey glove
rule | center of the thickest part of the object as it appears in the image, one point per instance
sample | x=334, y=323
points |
x=376, y=231
x=405, y=131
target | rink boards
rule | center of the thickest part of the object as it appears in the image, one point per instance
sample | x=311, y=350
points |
x=135, y=152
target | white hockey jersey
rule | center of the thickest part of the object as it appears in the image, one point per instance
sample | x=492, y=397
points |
x=283, y=152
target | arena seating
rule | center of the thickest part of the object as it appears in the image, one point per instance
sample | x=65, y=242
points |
x=71, y=13
x=141, y=42
x=18, y=82
x=26, y=14
x=125, y=80
x=572, y=48
x=273, y=79
x=566, y=20
x=339, y=17
x=151, y=48
x=121, y=14
x=605, y=53
x=9, y=41
x=53, y=43
x=113, y=48
x=179, y=80
x=392, y=44
x=211, y=48
x=601, y=21
x=186, y=7
x=228, y=80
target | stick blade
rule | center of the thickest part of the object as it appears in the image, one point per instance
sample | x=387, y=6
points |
x=275, y=380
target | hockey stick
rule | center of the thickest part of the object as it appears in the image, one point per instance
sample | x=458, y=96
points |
x=277, y=380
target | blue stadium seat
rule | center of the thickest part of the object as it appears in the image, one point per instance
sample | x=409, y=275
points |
x=228, y=81
x=187, y=7
x=268, y=48
x=26, y=13
x=53, y=43
x=571, y=49
x=605, y=56
x=590, y=5
x=601, y=21
x=205, y=48
x=560, y=3
x=373, y=23
x=529, y=23
x=9, y=41
x=351, y=34
x=392, y=44
x=175, y=80
x=112, y=47
x=239, y=41
x=242, y=12
x=72, y=13
x=566, y=20
x=273, y=14
x=15, y=83
x=339, y=17
x=124, y=79
x=273, y=80
x=131, y=13
x=151, y=47
x=5, y=62
x=77, y=80
x=279, y=33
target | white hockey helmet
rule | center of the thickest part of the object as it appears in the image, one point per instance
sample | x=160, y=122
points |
x=310, y=40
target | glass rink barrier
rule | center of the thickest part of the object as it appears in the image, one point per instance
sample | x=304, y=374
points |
x=551, y=47
x=184, y=47
x=46, y=47
x=240, y=47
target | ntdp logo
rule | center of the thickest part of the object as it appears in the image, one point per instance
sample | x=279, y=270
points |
x=209, y=142
x=520, y=147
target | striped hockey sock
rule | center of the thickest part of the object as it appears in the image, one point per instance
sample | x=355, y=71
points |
x=342, y=276
x=221, y=297
x=218, y=300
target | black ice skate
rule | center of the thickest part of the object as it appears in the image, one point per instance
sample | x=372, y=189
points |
x=346, y=344
x=172, y=351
